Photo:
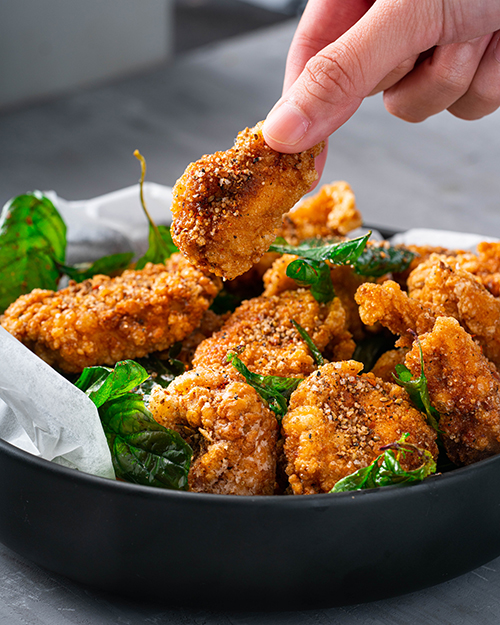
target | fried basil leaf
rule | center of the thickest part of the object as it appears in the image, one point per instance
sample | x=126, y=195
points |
x=310, y=269
x=417, y=390
x=142, y=450
x=386, y=469
x=160, y=244
x=318, y=356
x=103, y=383
x=377, y=260
x=313, y=273
x=273, y=389
x=338, y=253
x=32, y=243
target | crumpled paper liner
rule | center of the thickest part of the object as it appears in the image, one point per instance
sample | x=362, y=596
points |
x=46, y=415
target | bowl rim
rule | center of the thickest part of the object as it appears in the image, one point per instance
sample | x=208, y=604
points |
x=131, y=489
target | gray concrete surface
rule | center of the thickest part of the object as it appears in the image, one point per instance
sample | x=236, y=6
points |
x=443, y=173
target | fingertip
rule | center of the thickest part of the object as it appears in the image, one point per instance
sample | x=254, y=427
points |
x=285, y=127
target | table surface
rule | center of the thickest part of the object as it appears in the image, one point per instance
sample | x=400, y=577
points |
x=443, y=173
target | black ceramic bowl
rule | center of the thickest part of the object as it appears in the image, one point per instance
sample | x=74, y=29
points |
x=248, y=552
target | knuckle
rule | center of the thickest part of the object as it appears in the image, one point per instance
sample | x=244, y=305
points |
x=452, y=81
x=477, y=103
x=327, y=75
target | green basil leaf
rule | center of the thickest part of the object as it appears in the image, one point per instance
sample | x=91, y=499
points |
x=315, y=274
x=160, y=241
x=310, y=269
x=274, y=390
x=377, y=260
x=102, y=383
x=338, y=253
x=32, y=242
x=386, y=469
x=318, y=356
x=105, y=265
x=142, y=450
x=417, y=390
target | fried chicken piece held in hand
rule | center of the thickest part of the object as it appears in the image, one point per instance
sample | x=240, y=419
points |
x=103, y=320
x=228, y=206
x=232, y=431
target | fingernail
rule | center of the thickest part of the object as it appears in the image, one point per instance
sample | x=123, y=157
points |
x=286, y=124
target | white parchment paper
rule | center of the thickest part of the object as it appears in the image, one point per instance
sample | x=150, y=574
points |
x=46, y=415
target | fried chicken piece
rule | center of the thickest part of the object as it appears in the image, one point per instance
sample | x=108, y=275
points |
x=228, y=206
x=385, y=366
x=388, y=304
x=230, y=427
x=330, y=212
x=272, y=345
x=103, y=320
x=338, y=420
x=464, y=387
x=422, y=253
x=456, y=293
x=485, y=265
x=345, y=283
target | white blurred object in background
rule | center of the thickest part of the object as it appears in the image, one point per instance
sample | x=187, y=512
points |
x=48, y=47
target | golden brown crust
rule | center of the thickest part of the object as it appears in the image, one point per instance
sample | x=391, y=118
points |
x=388, y=304
x=103, y=320
x=345, y=283
x=228, y=206
x=231, y=429
x=456, y=293
x=464, y=387
x=330, y=212
x=263, y=325
x=337, y=422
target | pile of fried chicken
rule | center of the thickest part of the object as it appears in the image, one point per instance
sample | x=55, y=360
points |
x=445, y=305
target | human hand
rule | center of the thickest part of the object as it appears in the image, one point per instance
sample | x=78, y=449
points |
x=426, y=55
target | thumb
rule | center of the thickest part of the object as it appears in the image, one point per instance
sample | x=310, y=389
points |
x=336, y=80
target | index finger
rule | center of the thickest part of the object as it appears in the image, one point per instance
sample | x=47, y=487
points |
x=322, y=22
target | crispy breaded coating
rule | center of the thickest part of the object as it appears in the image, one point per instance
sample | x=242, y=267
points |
x=338, y=420
x=464, y=387
x=485, y=265
x=263, y=326
x=385, y=366
x=345, y=283
x=103, y=320
x=228, y=206
x=232, y=431
x=330, y=212
x=456, y=293
x=388, y=304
